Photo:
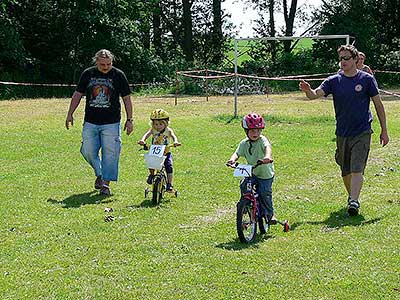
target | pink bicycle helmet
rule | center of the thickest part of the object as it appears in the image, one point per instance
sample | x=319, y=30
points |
x=253, y=121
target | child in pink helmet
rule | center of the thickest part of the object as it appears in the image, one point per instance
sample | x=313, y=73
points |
x=253, y=148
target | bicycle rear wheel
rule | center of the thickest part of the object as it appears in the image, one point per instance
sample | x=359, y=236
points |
x=246, y=225
x=158, y=190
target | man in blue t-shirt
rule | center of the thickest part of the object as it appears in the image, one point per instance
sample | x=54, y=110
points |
x=103, y=85
x=352, y=90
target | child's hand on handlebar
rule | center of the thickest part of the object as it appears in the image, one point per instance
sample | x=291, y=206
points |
x=143, y=144
x=265, y=160
x=231, y=163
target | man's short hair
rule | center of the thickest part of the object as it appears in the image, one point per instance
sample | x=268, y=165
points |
x=353, y=50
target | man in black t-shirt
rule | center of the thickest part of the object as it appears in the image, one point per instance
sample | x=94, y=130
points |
x=102, y=84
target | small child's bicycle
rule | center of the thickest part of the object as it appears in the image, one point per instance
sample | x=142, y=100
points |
x=248, y=212
x=158, y=185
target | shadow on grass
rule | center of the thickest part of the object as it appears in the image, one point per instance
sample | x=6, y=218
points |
x=338, y=219
x=78, y=200
x=147, y=203
x=237, y=245
x=226, y=118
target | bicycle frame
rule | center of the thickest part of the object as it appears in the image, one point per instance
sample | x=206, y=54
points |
x=158, y=184
x=247, y=213
x=159, y=175
x=249, y=206
x=251, y=194
x=251, y=187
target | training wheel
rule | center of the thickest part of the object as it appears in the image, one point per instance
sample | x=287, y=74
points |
x=176, y=193
x=146, y=192
x=286, y=226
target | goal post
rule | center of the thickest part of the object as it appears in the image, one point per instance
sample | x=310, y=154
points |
x=280, y=38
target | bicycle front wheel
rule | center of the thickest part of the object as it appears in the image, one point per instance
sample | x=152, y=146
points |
x=158, y=190
x=246, y=225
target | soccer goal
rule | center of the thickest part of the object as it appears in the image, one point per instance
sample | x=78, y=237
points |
x=237, y=54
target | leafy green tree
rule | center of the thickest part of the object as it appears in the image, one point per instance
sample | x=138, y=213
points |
x=12, y=52
x=56, y=39
x=372, y=24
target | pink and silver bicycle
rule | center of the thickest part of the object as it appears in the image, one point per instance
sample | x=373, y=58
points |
x=248, y=208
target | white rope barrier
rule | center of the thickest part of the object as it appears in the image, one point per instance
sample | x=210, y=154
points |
x=36, y=84
x=65, y=85
x=308, y=77
x=208, y=76
x=389, y=93
x=283, y=78
x=389, y=72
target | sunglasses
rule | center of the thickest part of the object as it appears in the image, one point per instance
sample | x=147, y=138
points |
x=345, y=58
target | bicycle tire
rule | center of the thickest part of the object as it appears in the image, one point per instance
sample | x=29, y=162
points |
x=159, y=187
x=156, y=194
x=163, y=186
x=246, y=225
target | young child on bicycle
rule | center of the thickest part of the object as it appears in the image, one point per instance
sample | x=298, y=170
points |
x=161, y=134
x=256, y=147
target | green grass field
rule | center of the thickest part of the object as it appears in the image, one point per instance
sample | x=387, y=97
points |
x=55, y=243
x=243, y=47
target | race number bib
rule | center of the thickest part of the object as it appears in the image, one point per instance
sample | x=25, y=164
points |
x=242, y=171
x=157, y=150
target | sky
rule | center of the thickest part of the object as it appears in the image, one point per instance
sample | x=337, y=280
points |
x=242, y=16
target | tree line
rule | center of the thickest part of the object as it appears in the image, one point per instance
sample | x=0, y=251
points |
x=54, y=40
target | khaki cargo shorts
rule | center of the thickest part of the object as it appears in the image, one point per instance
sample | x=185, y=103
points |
x=352, y=152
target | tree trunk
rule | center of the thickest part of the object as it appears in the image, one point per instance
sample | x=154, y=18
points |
x=157, y=29
x=187, y=30
x=289, y=21
x=145, y=33
x=272, y=31
x=217, y=36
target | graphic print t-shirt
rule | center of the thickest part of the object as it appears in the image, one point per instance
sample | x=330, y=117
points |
x=102, y=94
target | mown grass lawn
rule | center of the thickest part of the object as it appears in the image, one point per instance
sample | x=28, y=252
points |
x=244, y=47
x=55, y=243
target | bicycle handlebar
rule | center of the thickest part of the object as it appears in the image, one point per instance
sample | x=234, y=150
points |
x=147, y=147
x=144, y=147
x=259, y=162
x=233, y=166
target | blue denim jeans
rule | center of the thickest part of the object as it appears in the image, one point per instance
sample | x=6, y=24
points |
x=264, y=191
x=106, y=137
